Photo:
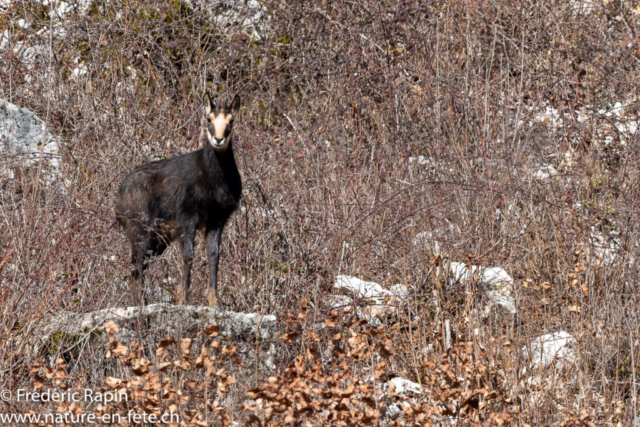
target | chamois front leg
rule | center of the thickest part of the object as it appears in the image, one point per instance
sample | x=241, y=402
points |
x=213, y=255
x=136, y=280
x=186, y=247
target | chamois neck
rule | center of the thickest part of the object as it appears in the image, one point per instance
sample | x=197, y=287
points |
x=225, y=159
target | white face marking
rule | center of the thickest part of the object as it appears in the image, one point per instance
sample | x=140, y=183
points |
x=216, y=130
x=220, y=123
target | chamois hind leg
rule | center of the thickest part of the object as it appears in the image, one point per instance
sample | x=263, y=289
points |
x=136, y=280
x=186, y=247
x=213, y=235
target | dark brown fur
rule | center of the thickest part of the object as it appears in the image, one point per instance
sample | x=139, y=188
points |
x=168, y=200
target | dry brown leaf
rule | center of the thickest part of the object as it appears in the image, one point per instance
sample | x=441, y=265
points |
x=185, y=346
x=210, y=330
x=111, y=327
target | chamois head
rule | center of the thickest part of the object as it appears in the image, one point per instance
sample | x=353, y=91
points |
x=220, y=121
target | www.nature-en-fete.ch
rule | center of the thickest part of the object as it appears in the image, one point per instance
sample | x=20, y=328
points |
x=66, y=418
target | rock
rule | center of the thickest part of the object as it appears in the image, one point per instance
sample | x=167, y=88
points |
x=400, y=291
x=381, y=302
x=404, y=386
x=582, y=7
x=249, y=15
x=57, y=9
x=604, y=248
x=428, y=162
x=339, y=302
x=544, y=350
x=358, y=288
x=498, y=285
x=496, y=282
x=459, y=272
x=550, y=117
x=21, y=135
x=160, y=294
x=267, y=357
x=394, y=411
x=545, y=172
x=164, y=320
x=422, y=239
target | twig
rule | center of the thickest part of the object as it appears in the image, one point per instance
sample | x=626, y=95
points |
x=187, y=122
x=321, y=12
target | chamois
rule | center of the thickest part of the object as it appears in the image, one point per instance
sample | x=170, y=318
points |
x=169, y=200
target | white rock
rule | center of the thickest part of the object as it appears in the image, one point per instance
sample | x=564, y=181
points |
x=360, y=288
x=4, y=39
x=373, y=321
x=339, y=302
x=79, y=70
x=160, y=294
x=394, y=411
x=21, y=136
x=249, y=15
x=496, y=277
x=544, y=350
x=568, y=159
x=605, y=249
x=550, y=117
x=421, y=160
x=496, y=282
x=404, y=386
x=380, y=302
x=429, y=163
x=545, y=172
x=498, y=285
x=400, y=291
x=422, y=239
x=164, y=319
x=582, y=7
x=459, y=272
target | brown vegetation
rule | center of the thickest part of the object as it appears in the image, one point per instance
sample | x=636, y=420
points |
x=338, y=97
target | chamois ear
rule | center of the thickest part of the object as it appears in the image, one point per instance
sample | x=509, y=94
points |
x=208, y=106
x=235, y=105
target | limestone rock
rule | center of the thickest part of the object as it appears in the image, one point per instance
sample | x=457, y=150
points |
x=164, y=320
x=22, y=134
x=380, y=302
x=495, y=281
x=249, y=15
x=404, y=386
x=548, y=348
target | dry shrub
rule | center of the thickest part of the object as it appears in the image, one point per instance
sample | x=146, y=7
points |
x=337, y=98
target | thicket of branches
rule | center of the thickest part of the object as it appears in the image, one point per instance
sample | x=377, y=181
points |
x=337, y=97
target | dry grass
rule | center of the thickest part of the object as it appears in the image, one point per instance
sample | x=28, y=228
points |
x=337, y=98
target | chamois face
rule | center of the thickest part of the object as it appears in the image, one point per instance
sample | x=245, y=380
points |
x=220, y=122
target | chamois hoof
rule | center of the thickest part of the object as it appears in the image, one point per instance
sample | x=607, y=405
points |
x=212, y=299
x=182, y=298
